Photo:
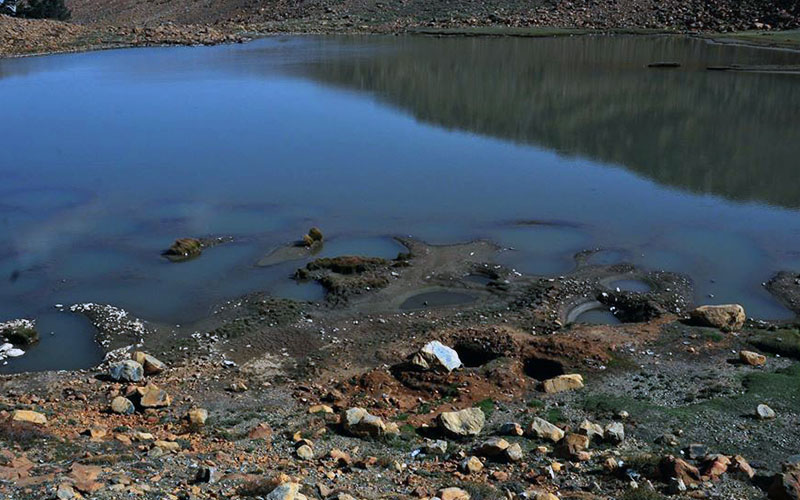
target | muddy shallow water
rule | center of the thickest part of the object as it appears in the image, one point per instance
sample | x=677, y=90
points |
x=545, y=146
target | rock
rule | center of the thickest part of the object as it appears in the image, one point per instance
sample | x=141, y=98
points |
x=764, y=412
x=471, y=465
x=28, y=416
x=261, y=431
x=668, y=439
x=315, y=234
x=286, y=491
x=341, y=458
x=20, y=332
x=358, y=422
x=305, y=452
x=167, y=445
x=726, y=317
x=696, y=451
x=435, y=447
x=320, y=409
x=467, y=422
x=197, y=417
x=492, y=447
x=563, y=383
x=670, y=467
x=716, y=466
x=206, y=475
x=126, y=371
x=511, y=429
x=593, y=431
x=453, y=494
x=513, y=453
x=786, y=484
x=183, y=249
x=676, y=486
x=752, y=358
x=392, y=429
x=615, y=432
x=153, y=397
x=741, y=467
x=543, y=429
x=151, y=365
x=436, y=356
x=572, y=446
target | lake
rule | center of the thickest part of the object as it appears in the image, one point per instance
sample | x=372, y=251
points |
x=548, y=146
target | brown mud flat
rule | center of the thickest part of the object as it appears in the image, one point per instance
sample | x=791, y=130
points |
x=276, y=375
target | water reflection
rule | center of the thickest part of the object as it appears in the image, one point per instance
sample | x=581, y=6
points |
x=731, y=135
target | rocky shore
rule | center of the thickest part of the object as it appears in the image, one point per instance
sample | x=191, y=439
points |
x=361, y=396
x=126, y=23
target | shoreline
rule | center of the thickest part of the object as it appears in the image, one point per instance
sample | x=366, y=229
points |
x=178, y=35
x=238, y=396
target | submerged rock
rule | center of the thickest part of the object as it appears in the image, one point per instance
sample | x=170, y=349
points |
x=436, y=356
x=184, y=249
x=467, y=422
x=727, y=317
x=20, y=332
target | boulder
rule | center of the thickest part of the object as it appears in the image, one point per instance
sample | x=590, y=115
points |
x=741, y=467
x=452, y=494
x=543, y=429
x=122, y=406
x=764, y=412
x=315, y=234
x=126, y=371
x=151, y=365
x=436, y=356
x=727, y=317
x=153, y=397
x=563, y=383
x=467, y=422
x=28, y=416
x=358, y=422
x=615, y=432
x=752, y=358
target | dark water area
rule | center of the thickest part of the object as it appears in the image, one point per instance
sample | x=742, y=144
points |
x=109, y=156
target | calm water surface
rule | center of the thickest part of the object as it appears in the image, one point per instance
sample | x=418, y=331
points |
x=109, y=156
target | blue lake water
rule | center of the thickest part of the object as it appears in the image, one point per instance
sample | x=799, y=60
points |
x=109, y=156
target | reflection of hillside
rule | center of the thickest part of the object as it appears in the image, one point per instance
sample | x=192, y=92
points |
x=733, y=135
